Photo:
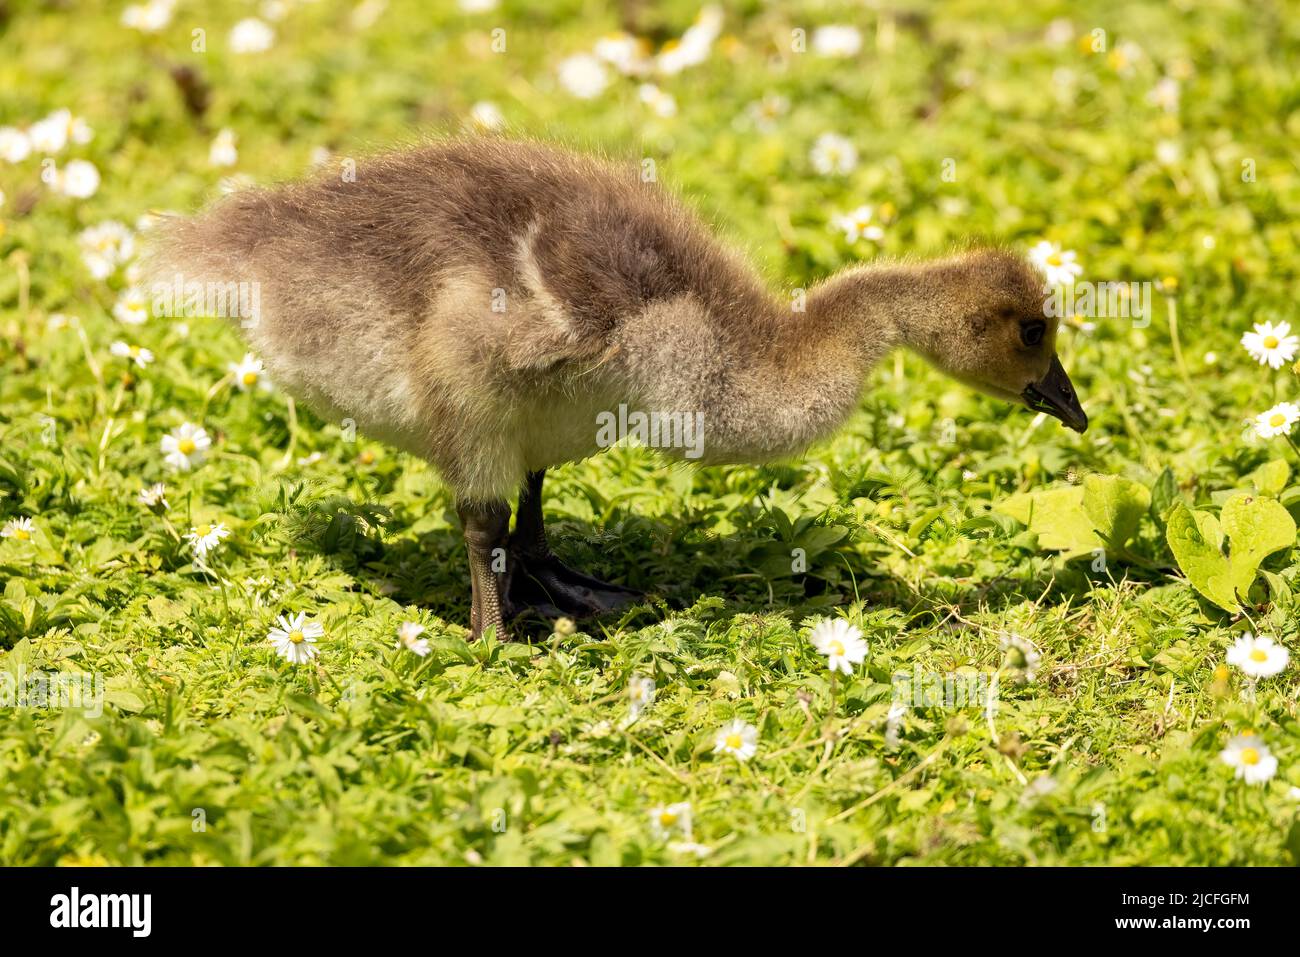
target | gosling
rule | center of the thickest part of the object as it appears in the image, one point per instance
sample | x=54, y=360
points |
x=480, y=303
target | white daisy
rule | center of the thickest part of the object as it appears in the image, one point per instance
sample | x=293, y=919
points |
x=833, y=154
x=1165, y=94
x=768, y=110
x=19, y=529
x=154, y=495
x=583, y=75
x=640, y=693
x=132, y=307
x=1277, y=420
x=1059, y=266
x=15, y=145
x=858, y=225
x=670, y=819
x=738, y=738
x=1258, y=657
x=185, y=446
x=1271, y=344
x=251, y=35
x=476, y=6
x=294, y=638
x=53, y=133
x=148, y=17
x=660, y=103
x=248, y=372
x=1022, y=658
x=137, y=354
x=837, y=40
x=408, y=637
x=623, y=52
x=841, y=642
x=486, y=116
x=205, y=539
x=79, y=179
x=105, y=247
x=694, y=46
x=1250, y=757
x=223, y=151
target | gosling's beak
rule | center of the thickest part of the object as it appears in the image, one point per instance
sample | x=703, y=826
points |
x=1054, y=395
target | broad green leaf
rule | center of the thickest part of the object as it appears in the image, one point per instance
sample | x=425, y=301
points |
x=1271, y=477
x=1253, y=528
x=1057, y=517
x=1200, y=559
x=1115, y=505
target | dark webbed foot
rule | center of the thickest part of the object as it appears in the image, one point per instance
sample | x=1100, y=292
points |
x=544, y=584
x=540, y=582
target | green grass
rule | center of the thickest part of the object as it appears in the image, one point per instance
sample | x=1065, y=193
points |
x=210, y=749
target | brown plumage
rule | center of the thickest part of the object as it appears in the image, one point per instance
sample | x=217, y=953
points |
x=481, y=302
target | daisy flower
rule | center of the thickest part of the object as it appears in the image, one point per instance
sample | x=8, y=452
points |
x=294, y=638
x=205, y=539
x=1250, y=757
x=858, y=225
x=841, y=643
x=640, y=693
x=154, y=495
x=137, y=354
x=1258, y=657
x=132, y=307
x=738, y=738
x=20, y=529
x=486, y=116
x=660, y=103
x=583, y=76
x=408, y=637
x=623, y=52
x=251, y=35
x=53, y=133
x=1022, y=658
x=833, y=154
x=105, y=247
x=15, y=144
x=836, y=40
x=1165, y=94
x=223, y=151
x=768, y=110
x=1277, y=420
x=79, y=179
x=694, y=46
x=665, y=820
x=185, y=446
x=1059, y=266
x=148, y=17
x=248, y=372
x=1271, y=344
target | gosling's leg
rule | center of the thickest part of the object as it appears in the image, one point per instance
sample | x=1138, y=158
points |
x=486, y=528
x=542, y=582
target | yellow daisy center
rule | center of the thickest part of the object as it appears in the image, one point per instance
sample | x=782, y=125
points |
x=1249, y=756
x=1276, y=419
x=836, y=647
x=667, y=818
x=22, y=534
x=734, y=742
x=1054, y=259
x=1259, y=655
x=250, y=378
x=134, y=350
x=296, y=637
x=1270, y=342
x=186, y=446
x=204, y=530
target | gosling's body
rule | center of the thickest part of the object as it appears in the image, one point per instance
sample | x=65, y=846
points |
x=480, y=302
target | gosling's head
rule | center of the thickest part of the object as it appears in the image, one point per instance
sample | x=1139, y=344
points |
x=995, y=335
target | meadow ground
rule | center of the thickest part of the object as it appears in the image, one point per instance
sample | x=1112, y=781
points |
x=1090, y=586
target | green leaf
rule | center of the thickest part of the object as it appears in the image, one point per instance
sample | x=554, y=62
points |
x=1254, y=528
x=1057, y=517
x=1115, y=506
x=1271, y=477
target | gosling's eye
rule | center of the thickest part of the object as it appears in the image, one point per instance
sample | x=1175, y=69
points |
x=1031, y=334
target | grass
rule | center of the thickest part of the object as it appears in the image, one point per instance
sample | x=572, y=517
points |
x=211, y=749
